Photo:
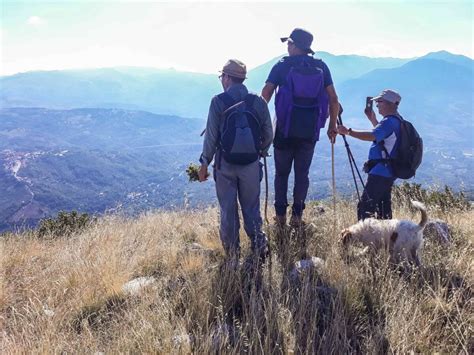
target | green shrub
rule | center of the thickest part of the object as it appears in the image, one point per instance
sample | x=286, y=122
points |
x=444, y=200
x=64, y=225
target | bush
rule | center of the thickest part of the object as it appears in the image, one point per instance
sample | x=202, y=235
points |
x=444, y=200
x=64, y=225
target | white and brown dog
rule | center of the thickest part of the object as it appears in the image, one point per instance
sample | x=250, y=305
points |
x=402, y=239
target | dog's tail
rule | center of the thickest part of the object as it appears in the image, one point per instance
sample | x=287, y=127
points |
x=424, y=216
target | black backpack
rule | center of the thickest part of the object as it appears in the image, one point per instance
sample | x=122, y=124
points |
x=240, y=135
x=410, y=151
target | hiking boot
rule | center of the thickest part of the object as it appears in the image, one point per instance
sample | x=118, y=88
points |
x=261, y=249
x=280, y=221
x=296, y=221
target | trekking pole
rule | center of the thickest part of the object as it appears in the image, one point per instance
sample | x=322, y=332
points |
x=266, y=186
x=349, y=154
x=333, y=182
x=270, y=274
x=352, y=161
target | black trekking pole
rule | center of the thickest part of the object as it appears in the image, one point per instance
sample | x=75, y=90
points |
x=352, y=162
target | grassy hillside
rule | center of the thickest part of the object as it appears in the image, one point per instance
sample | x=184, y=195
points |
x=66, y=294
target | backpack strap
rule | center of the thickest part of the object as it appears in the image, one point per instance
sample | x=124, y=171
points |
x=369, y=164
x=397, y=115
x=226, y=99
x=387, y=155
x=228, y=102
x=382, y=142
x=249, y=104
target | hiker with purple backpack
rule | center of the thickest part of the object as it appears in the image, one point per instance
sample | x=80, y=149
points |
x=305, y=97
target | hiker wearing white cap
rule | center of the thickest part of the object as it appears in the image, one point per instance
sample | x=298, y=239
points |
x=238, y=132
x=376, y=200
x=305, y=96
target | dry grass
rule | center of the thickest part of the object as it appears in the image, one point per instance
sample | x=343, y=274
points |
x=65, y=294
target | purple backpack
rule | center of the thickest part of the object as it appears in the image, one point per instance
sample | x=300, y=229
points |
x=301, y=104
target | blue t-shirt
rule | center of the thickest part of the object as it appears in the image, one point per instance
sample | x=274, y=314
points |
x=281, y=69
x=388, y=130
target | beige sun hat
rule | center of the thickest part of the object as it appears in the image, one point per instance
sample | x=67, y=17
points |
x=235, y=68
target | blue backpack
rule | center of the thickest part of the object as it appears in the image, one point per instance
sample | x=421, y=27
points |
x=240, y=136
x=301, y=104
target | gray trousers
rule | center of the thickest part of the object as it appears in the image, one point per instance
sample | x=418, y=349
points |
x=242, y=183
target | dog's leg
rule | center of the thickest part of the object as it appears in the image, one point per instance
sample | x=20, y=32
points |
x=416, y=257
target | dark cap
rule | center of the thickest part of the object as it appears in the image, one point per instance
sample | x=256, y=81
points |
x=235, y=68
x=301, y=38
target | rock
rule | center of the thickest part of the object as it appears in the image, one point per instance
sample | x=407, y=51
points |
x=437, y=230
x=135, y=286
x=307, y=265
x=182, y=341
x=197, y=248
x=48, y=312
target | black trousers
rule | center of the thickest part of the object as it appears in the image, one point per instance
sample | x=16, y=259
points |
x=299, y=156
x=376, y=200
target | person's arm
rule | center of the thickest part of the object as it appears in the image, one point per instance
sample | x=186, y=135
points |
x=266, y=127
x=362, y=135
x=371, y=116
x=210, y=140
x=333, y=112
x=268, y=90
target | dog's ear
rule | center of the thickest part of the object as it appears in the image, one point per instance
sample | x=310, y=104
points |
x=346, y=236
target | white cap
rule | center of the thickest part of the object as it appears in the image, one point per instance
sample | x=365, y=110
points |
x=389, y=95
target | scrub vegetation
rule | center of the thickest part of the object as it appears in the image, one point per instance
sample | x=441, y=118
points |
x=66, y=294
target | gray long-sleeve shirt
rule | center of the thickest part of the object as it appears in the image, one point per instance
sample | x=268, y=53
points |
x=215, y=119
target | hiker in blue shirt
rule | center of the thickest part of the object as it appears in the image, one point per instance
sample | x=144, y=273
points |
x=376, y=200
x=238, y=132
x=305, y=96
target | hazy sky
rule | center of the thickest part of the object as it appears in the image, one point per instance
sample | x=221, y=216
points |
x=201, y=36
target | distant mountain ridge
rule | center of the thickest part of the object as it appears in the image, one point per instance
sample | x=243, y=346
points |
x=161, y=91
x=437, y=94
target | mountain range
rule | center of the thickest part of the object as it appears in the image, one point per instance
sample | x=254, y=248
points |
x=161, y=91
x=117, y=138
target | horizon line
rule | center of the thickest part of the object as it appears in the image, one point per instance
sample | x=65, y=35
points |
x=188, y=70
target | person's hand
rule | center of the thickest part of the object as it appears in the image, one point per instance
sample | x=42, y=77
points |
x=370, y=114
x=203, y=173
x=332, y=133
x=342, y=130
